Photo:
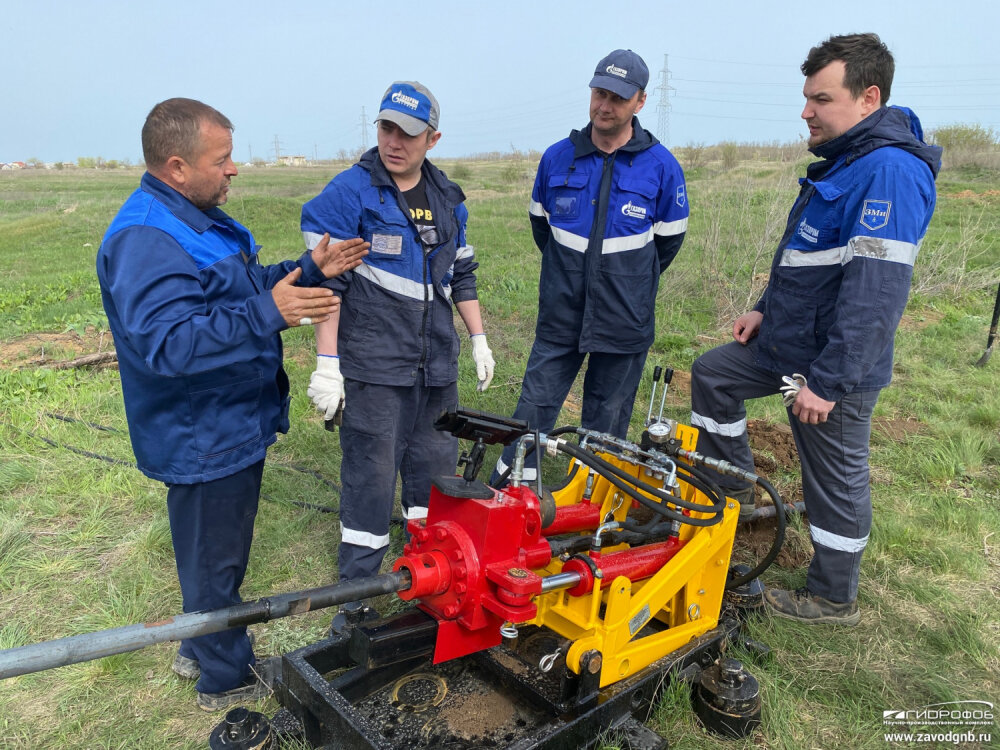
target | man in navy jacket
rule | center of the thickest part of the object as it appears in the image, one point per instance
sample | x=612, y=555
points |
x=389, y=356
x=196, y=322
x=608, y=212
x=822, y=333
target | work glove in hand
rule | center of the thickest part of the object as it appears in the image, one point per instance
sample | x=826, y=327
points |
x=326, y=385
x=483, y=358
x=792, y=386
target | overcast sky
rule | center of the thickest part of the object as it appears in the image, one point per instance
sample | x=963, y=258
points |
x=78, y=78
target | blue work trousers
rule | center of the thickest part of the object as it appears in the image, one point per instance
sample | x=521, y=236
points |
x=211, y=524
x=609, y=388
x=833, y=454
x=388, y=431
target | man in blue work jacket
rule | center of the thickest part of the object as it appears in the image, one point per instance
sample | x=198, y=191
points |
x=608, y=212
x=822, y=333
x=389, y=356
x=196, y=321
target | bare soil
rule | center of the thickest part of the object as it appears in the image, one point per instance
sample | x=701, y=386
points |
x=40, y=349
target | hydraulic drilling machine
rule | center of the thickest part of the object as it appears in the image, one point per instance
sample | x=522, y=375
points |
x=543, y=616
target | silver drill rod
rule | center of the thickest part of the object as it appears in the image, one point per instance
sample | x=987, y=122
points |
x=78, y=648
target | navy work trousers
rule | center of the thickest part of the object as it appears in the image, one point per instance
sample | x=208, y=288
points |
x=833, y=454
x=609, y=388
x=388, y=431
x=211, y=524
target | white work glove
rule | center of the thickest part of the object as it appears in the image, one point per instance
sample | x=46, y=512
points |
x=483, y=358
x=326, y=385
x=792, y=386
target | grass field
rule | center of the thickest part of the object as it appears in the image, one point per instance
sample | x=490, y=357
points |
x=84, y=538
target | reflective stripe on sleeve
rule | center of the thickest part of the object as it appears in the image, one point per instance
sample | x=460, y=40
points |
x=312, y=239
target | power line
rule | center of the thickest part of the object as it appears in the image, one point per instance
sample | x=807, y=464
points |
x=364, y=130
x=663, y=106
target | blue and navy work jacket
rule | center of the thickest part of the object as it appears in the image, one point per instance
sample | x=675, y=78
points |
x=396, y=322
x=196, y=332
x=841, y=275
x=607, y=225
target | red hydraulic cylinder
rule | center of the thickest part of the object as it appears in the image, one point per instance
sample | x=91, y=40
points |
x=580, y=517
x=636, y=564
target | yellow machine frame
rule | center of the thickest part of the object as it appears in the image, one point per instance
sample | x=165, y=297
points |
x=685, y=595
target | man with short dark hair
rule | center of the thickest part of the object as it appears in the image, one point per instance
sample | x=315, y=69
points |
x=822, y=333
x=196, y=321
x=608, y=212
x=389, y=357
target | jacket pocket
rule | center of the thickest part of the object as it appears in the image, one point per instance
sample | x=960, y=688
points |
x=636, y=204
x=386, y=228
x=566, y=195
x=227, y=415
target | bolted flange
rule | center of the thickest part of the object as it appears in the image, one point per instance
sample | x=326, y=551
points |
x=727, y=699
x=242, y=729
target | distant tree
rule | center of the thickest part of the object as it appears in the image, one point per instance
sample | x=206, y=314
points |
x=35, y=163
x=86, y=162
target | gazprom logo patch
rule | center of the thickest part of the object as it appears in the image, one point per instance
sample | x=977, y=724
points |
x=634, y=211
x=616, y=71
x=681, y=195
x=399, y=97
x=875, y=214
x=808, y=233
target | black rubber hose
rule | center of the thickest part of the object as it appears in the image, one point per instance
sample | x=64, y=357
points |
x=779, y=537
x=628, y=484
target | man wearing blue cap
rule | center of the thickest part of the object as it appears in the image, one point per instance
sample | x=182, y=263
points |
x=608, y=212
x=389, y=359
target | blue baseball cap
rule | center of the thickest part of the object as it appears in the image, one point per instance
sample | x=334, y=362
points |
x=622, y=72
x=411, y=106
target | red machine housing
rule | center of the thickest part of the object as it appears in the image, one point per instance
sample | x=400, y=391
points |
x=471, y=560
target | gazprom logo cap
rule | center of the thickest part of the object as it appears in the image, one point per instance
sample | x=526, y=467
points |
x=411, y=106
x=622, y=72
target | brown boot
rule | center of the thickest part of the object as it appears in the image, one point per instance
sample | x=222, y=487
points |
x=804, y=606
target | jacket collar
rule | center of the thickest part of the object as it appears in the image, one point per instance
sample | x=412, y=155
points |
x=180, y=206
x=641, y=140
x=887, y=126
x=380, y=176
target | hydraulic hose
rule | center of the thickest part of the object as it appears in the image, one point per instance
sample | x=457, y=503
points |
x=630, y=485
x=776, y=545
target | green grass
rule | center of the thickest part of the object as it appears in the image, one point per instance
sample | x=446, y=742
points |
x=85, y=544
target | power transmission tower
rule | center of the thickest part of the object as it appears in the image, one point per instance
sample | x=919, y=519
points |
x=364, y=131
x=663, y=106
x=277, y=149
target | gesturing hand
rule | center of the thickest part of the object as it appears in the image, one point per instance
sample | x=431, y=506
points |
x=339, y=257
x=300, y=305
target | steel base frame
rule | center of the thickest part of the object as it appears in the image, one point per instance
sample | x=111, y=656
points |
x=568, y=711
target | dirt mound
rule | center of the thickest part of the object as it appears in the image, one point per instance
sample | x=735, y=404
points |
x=41, y=349
x=773, y=446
